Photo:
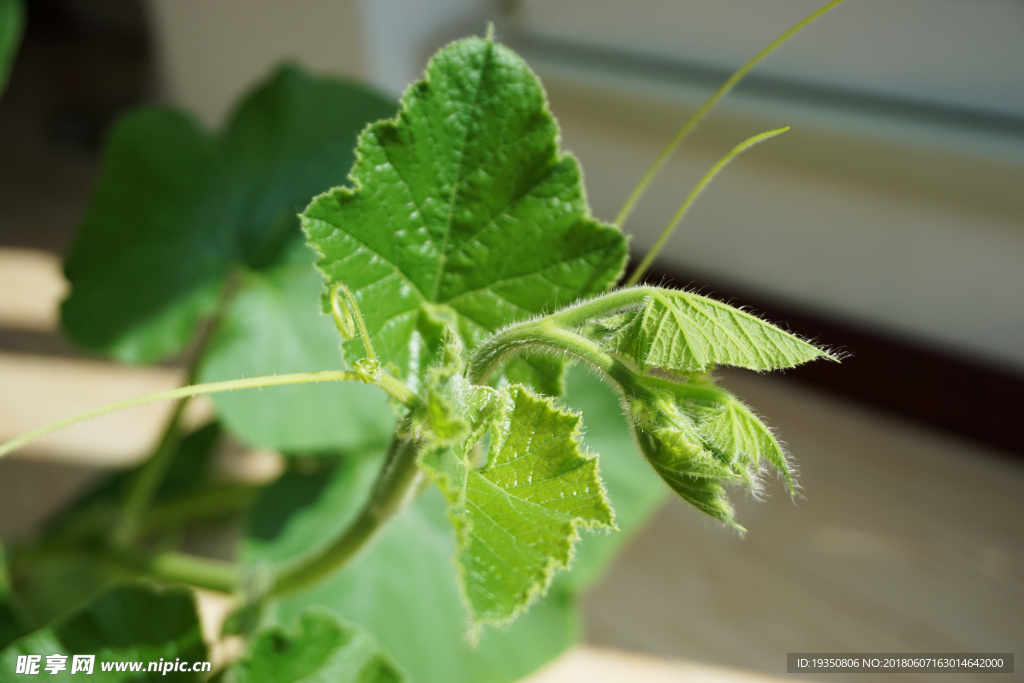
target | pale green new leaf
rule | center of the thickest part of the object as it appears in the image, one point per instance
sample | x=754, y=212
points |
x=320, y=649
x=683, y=332
x=736, y=435
x=462, y=209
x=517, y=512
x=674, y=448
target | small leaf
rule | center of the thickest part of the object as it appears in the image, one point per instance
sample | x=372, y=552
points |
x=737, y=436
x=518, y=514
x=682, y=332
x=320, y=649
x=672, y=446
x=12, y=22
x=131, y=622
x=463, y=203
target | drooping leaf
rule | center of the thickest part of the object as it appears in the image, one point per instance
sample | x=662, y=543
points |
x=274, y=326
x=403, y=588
x=180, y=214
x=131, y=622
x=12, y=22
x=462, y=209
x=682, y=332
x=672, y=446
x=737, y=436
x=699, y=437
x=321, y=648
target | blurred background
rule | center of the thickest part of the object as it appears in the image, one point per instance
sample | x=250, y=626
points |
x=888, y=223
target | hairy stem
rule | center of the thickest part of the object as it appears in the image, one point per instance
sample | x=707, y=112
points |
x=398, y=480
x=181, y=392
x=692, y=122
x=543, y=333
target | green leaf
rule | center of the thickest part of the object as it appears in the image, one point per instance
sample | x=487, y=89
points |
x=274, y=326
x=698, y=437
x=518, y=516
x=12, y=22
x=131, y=622
x=177, y=209
x=320, y=649
x=737, y=436
x=462, y=210
x=673, y=447
x=403, y=590
x=635, y=491
x=94, y=513
x=682, y=332
x=418, y=614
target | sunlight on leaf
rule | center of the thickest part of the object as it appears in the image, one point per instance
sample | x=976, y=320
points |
x=462, y=212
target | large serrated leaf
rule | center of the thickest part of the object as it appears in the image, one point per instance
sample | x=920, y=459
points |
x=517, y=517
x=463, y=204
x=682, y=332
x=320, y=649
x=418, y=613
x=131, y=622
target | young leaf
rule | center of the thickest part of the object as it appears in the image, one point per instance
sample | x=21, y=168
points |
x=132, y=621
x=737, y=436
x=672, y=446
x=461, y=209
x=320, y=649
x=683, y=332
x=517, y=514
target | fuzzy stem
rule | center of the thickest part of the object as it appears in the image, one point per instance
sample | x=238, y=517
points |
x=692, y=197
x=398, y=480
x=691, y=123
x=520, y=338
